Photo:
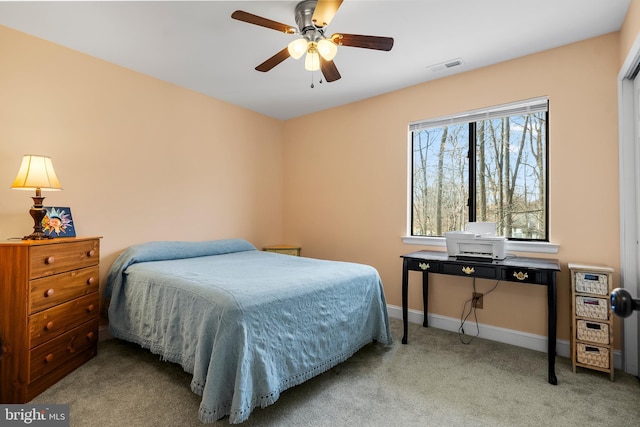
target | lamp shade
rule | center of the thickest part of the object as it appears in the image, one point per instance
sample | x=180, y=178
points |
x=297, y=48
x=312, y=61
x=36, y=172
x=327, y=49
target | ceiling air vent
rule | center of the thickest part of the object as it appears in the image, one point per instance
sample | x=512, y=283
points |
x=446, y=65
x=453, y=63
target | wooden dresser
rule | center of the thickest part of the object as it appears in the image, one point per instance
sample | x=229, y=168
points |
x=49, y=310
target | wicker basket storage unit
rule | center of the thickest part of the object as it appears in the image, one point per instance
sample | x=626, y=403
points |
x=591, y=318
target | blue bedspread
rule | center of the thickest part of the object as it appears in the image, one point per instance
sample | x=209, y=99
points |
x=247, y=324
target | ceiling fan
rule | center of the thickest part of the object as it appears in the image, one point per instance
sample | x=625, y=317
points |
x=312, y=18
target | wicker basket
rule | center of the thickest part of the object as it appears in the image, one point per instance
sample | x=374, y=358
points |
x=593, y=331
x=595, y=308
x=592, y=283
x=593, y=355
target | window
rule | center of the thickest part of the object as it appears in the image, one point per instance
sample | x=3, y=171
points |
x=484, y=165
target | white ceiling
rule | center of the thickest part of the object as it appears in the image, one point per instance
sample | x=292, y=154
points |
x=196, y=44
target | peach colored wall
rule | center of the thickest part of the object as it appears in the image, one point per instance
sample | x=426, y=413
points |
x=139, y=159
x=123, y=142
x=346, y=186
x=630, y=29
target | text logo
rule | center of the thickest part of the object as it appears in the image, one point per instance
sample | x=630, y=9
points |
x=34, y=415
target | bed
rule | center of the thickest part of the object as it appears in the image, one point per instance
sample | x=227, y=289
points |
x=247, y=324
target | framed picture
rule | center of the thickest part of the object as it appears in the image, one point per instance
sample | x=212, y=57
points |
x=58, y=222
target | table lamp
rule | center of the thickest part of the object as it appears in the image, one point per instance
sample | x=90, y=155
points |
x=36, y=172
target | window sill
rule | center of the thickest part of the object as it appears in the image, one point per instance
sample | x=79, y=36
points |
x=512, y=246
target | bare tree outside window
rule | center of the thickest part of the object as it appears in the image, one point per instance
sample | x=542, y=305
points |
x=440, y=182
x=508, y=184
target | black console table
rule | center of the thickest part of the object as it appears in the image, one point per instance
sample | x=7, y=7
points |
x=536, y=271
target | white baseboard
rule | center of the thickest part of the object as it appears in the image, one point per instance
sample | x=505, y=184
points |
x=493, y=333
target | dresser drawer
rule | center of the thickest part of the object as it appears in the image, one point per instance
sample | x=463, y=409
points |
x=47, y=357
x=53, y=290
x=420, y=265
x=524, y=275
x=470, y=270
x=50, y=323
x=47, y=260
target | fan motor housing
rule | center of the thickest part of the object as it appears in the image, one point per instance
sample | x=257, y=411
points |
x=304, y=15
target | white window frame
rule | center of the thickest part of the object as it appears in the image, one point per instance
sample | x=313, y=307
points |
x=521, y=107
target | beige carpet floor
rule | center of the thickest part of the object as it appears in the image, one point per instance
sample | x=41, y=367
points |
x=435, y=380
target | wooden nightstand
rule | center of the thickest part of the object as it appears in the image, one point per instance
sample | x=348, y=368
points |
x=283, y=249
x=49, y=308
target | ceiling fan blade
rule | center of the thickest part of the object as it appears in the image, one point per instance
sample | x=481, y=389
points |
x=329, y=70
x=325, y=11
x=263, y=22
x=367, y=42
x=274, y=60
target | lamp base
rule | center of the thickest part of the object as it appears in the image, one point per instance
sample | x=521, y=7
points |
x=37, y=212
x=37, y=236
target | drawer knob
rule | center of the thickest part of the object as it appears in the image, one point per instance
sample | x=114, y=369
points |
x=468, y=270
x=49, y=326
x=49, y=292
x=90, y=308
x=50, y=260
x=91, y=253
x=90, y=335
x=91, y=280
x=424, y=266
x=48, y=358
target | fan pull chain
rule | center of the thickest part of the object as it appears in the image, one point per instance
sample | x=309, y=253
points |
x=319, y=81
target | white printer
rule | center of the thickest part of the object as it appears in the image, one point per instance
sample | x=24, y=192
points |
x=478, y=240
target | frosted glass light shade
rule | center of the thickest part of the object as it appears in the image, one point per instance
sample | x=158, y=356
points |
x=297, y=48
x=36, y=172
x=312, y=61
x=327, y=49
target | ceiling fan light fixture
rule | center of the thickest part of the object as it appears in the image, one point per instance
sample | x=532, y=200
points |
x=327, y=49
x=297, y=48
x=312, y=17
x=312, y=61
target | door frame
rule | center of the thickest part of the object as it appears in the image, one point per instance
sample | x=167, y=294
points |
x=629, y=175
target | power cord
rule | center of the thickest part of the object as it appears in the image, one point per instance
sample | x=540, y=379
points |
x=463, y=318
x=472, y=308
